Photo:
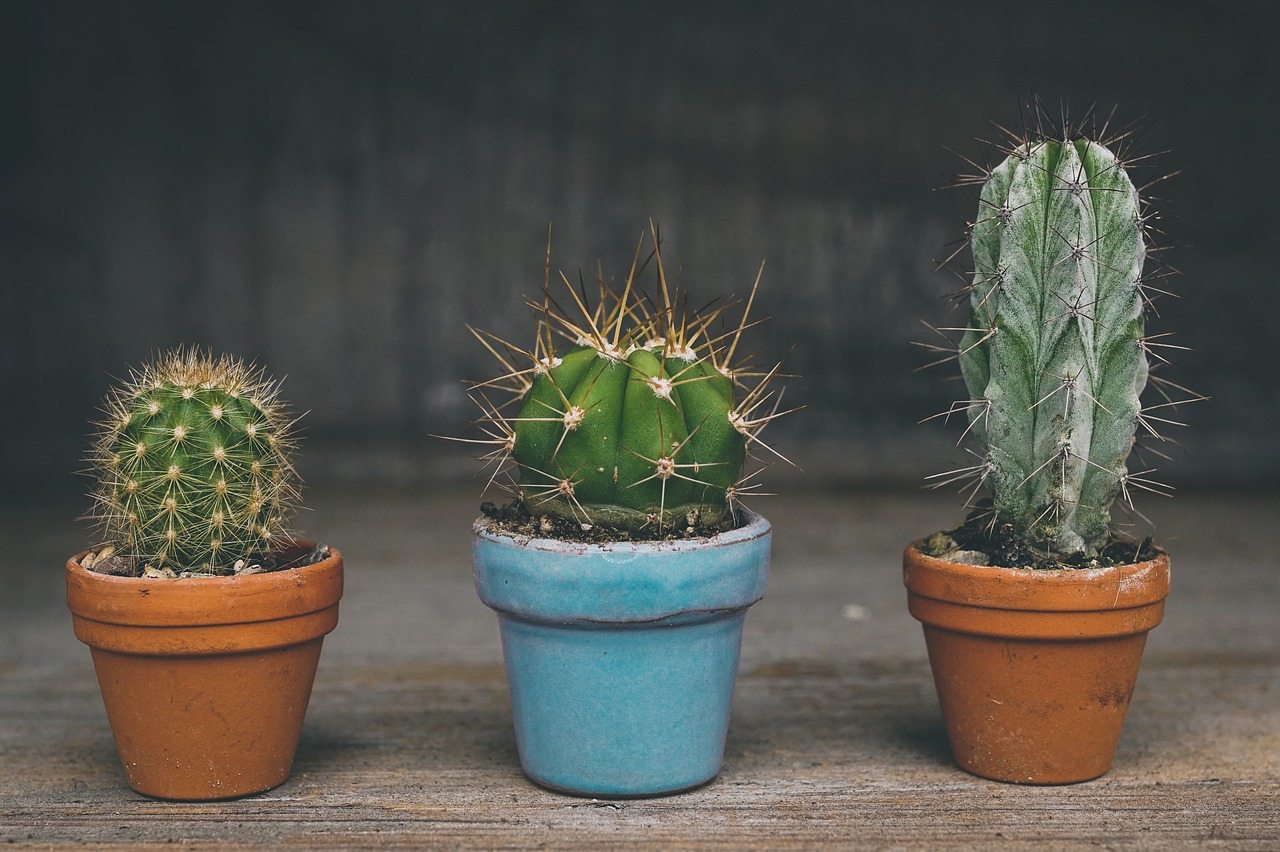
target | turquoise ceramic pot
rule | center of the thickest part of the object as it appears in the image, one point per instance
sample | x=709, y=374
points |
x=621, y=658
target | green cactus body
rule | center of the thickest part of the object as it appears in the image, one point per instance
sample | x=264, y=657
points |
x=1054, y=357
x=639, y=420
x=193, y=464
x=628, y=440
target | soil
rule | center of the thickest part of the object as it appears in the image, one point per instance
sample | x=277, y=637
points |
x=105, y=561
x=515, y=519
x=979, y=542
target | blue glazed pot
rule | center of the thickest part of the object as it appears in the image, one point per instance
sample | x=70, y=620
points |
x=621, y=658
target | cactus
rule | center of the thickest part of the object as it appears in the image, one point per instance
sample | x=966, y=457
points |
x=632, y=412
x=193, y=465
x=1054, y=355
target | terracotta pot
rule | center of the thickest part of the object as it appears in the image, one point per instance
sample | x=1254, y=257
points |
x=621, y=658
x=206, y=681
x=1034, y=669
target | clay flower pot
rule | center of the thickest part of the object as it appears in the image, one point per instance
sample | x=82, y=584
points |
x=621, y=658
x=206, y=681
x=1034, y=669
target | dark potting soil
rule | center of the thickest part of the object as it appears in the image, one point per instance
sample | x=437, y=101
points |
x=1002, y=547
x=257, y=563
x=515, y=519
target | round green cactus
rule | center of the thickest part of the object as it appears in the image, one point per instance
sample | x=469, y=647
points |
x=193, y=463
x=640, y=419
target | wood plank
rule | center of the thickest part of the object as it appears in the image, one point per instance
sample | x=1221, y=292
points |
x=414, y=754
x=836, y=737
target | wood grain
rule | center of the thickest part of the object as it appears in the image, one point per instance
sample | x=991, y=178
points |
x=836, y=739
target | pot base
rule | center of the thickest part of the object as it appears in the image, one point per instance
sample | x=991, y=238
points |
x=188, y=729
x=620, y=711
x=621, y=797
x=1033, y=712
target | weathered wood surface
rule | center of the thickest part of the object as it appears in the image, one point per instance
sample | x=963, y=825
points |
x=836, y=737
x=403, y=755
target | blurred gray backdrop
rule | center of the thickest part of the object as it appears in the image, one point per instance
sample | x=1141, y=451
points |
x=334, y=189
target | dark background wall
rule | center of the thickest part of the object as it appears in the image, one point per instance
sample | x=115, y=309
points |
x=334, y=189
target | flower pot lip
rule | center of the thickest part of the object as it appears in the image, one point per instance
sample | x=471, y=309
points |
x=621, y=582
x=1065, y=590
x=205, y=601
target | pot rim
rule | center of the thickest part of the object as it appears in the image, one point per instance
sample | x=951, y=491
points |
x=205, y=601
x=1055, y=590
x=636, y=583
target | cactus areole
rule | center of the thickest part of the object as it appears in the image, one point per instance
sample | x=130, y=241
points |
x=1054, y=356
x=631, y=413
x=193, y=464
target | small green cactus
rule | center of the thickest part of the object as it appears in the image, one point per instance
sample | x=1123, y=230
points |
x=193, y=465
x=632, y=412
x=1054, y=355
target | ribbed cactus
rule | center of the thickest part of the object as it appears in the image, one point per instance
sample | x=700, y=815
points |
x=193, y=464
x=1054, y=356
x=632, y=413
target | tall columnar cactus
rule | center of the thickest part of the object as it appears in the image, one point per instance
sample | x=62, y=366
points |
x=632, y=412
x=1054, y=356
x=193, y=463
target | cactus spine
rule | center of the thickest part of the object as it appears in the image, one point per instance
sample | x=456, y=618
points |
x=193, y=463
x=1054, y=356
x=632, y=412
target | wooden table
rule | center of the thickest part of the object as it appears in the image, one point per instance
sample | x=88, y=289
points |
x=836, y=737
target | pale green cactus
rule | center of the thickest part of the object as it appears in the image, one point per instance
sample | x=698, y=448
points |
x=193, y=464
x=632, y=412
x=1054, y=355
